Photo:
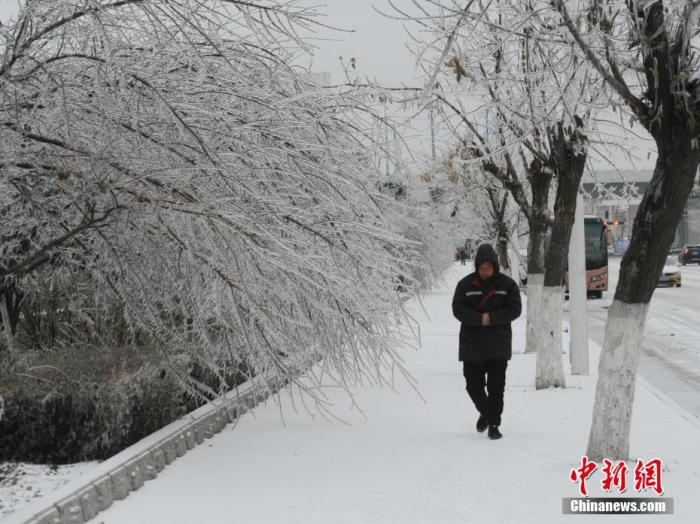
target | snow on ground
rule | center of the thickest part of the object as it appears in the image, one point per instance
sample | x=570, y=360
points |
x=406, y=460
x=21, y=483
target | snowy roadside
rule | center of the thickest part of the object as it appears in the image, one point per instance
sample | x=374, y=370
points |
x=402, y=459
x=21, y=483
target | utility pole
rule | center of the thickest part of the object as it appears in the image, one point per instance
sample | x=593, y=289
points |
x=386, y=144
x=432, y=129
x=578, y=314
x=684, y=240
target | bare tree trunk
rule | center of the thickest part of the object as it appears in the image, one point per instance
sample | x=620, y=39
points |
x=665, y=104
x=652, y=236
x=7, y=330
x=569, y=155
x=535, y=281
x=540, y=183
x=502, y=250
x=498, y=209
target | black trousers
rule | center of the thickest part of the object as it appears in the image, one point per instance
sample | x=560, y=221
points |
x=486, y=382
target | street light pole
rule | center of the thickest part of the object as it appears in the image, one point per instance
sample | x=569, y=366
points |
x=432, y=129
x=578, y=317
x=386, y=144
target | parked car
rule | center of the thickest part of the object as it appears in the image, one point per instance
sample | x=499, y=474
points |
x=671, y=275
x=689, y=255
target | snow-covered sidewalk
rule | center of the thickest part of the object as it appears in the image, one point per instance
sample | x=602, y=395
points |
x=408, y=460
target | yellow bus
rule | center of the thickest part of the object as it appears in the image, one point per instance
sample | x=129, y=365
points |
x=596, y=239
x=596, y=235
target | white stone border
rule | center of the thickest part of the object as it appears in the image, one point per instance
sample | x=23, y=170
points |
x=94, y=491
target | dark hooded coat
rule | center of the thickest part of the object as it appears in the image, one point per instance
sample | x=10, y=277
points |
x=500, y=297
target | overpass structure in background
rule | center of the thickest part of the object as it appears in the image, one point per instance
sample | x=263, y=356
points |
x=615, y=195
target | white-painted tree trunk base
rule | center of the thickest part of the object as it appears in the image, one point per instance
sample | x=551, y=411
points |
x=617, y=373
x=535, y=283
x=550, y=368
x=514, y=267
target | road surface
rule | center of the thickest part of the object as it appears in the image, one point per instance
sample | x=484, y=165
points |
x=671, y=357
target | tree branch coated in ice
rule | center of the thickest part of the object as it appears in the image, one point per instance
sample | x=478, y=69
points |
x=169, y=181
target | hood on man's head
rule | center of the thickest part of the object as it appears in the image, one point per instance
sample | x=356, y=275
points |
x=486, y=253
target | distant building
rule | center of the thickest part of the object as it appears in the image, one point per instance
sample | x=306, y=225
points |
x=615, y=196
x=617, y=181
x=689, y=228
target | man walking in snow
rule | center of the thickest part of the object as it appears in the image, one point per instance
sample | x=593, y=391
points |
x=486, y=302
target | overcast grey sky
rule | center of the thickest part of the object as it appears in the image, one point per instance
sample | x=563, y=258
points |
x=377, y=43
x=8, y=8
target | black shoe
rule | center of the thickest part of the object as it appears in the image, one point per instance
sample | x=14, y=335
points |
x=482, y=424
x=494, y=434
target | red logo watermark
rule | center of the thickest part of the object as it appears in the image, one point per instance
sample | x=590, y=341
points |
x=647, y=475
